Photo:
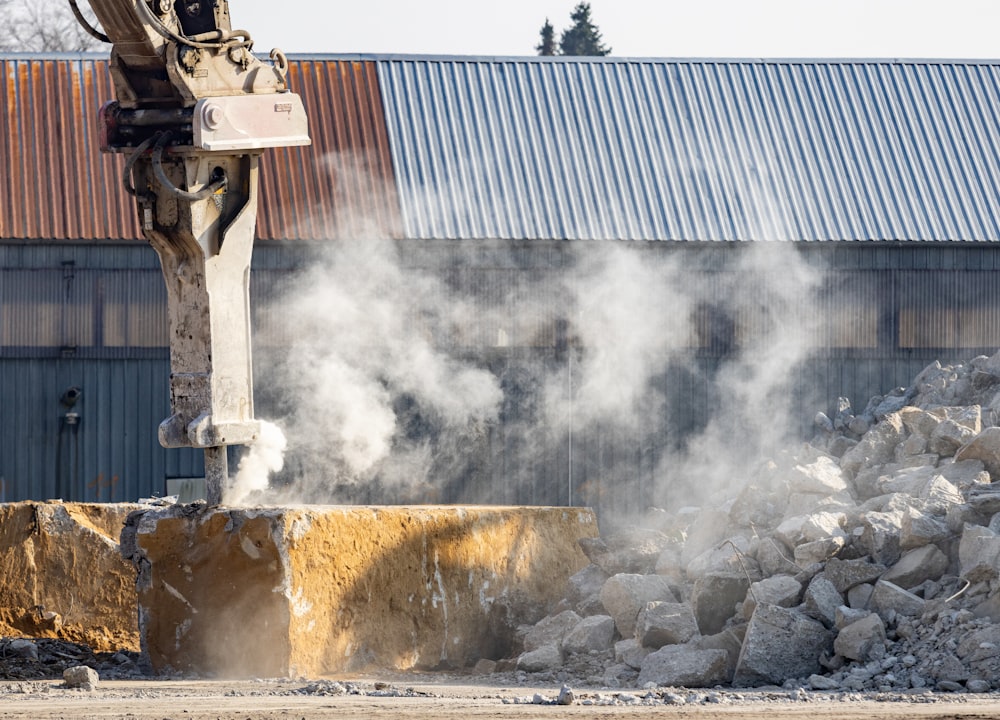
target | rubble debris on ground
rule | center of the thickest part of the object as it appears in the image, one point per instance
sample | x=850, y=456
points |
x=46, y=658
x=866, y=561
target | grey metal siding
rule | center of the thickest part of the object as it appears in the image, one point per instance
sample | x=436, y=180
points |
x=645, y=149
x=863, y=348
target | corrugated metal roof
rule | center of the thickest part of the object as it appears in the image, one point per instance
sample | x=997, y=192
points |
x=565, y=148
x=695, y=149
x=55, y=185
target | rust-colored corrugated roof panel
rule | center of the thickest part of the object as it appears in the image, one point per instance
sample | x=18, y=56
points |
x=55, y=185
x=54, y=182
x=342, y=185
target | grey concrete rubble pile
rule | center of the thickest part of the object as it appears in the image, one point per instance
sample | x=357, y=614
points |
x=867, y=560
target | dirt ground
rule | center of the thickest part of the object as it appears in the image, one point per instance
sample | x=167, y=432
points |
x=435, y=697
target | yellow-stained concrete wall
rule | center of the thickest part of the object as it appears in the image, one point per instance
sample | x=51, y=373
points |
x=63, y=575
x=318, y=590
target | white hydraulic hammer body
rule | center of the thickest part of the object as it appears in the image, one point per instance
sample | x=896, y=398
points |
x=194, y=111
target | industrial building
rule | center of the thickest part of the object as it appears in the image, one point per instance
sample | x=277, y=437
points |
x=489, y=173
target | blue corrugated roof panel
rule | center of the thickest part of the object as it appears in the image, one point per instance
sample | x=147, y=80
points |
x=647, y=149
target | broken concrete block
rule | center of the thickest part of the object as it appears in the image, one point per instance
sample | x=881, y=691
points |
x=714, y=599
x=789, y=532
x=631, y=551
x=818, y=551
x=984, y=499
x=63, y=575
x=678, y=665
x=823, y=476
x=593, y=633
x=780, y=590
x=863, y=640
x=551, y=630
x=877, y=447
x=665, y=623
x=916, y=566
x=918, y=421
x=730, y=640
x=780, y=643
x=821, y=599
x=547, y=657
x=888, y=598
x=823, y=525
x=880, y=536
x=624, y=595
x=775, y=558
x=965, y=474
x=859, y=597
x=847, y=615
x=845, y=574
x=585, y=584
x=979, y=554
x=809, y=503
x=732, y=555
x=758, y=507
x=81, y=677
x=984, y=447
x=631, y=652
x=919, y=529
x=314, y=590
x=948, y=668
x=949, y=436
x=707, y=530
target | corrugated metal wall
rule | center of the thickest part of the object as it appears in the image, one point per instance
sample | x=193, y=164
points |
x=92, y=317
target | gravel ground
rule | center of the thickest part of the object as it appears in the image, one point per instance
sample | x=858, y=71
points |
x=427, y=697
x=31, y=686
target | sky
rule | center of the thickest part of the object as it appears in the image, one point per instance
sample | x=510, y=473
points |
x=960, y=29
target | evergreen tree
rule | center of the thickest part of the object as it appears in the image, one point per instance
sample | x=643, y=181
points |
x=583, y=38
x=548, y=44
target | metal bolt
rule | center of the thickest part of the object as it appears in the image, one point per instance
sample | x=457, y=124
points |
x=212, y=115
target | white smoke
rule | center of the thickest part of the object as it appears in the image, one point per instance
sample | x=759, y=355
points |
x=358, y=359
x=259, y=462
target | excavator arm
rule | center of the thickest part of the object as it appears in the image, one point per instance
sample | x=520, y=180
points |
x=193, y=113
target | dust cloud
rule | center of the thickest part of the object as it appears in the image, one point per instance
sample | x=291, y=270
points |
x=373, y=383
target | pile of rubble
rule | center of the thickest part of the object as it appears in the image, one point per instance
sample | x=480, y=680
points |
x=869, y=560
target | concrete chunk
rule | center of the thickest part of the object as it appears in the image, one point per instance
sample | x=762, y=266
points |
x=593, y=633
x=625, y=594
x=822, y=600
x=714, y=599
x=65, y=558
x=780, y=644
x=862, y=640
x=823, y=475
x=547, y=657
x=877, y=447
x=888, y=598
x=551, y=630
x=780, y=590
x=315, y=590
x=81, y=677
x=919, y=529
x=845, y=574
x=663, y=623
x=880, y=536
x=677, y=665
x=915, y=566
x=984, y=447
x=979, y=553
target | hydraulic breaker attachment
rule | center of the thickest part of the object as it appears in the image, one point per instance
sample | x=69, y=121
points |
x=195, y=110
